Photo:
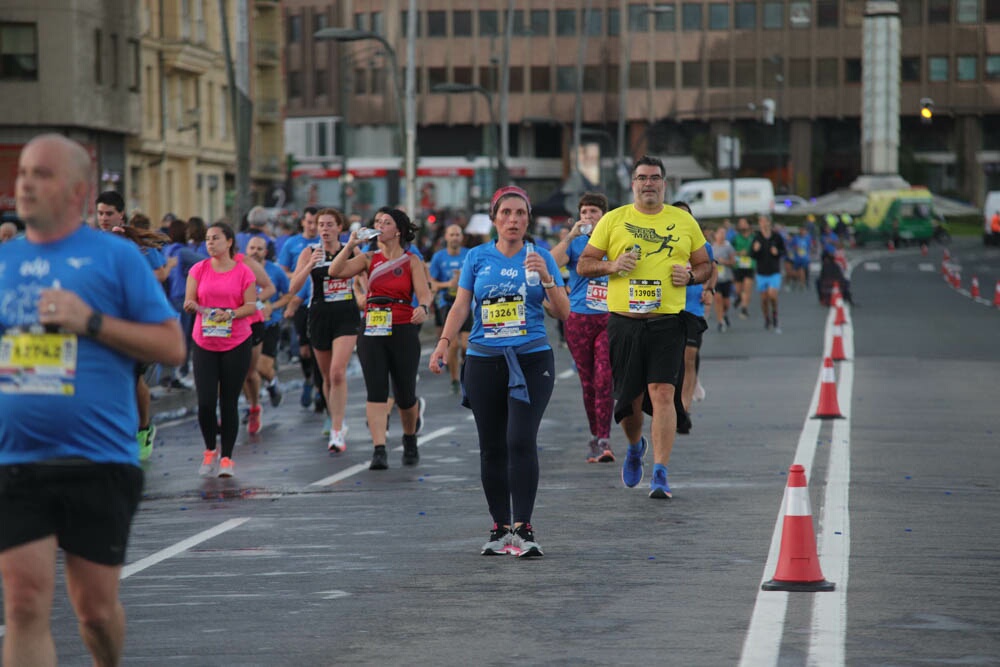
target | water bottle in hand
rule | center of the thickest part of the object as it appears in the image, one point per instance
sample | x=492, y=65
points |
x=635, y=252
x=367, y=233
x=531, y=277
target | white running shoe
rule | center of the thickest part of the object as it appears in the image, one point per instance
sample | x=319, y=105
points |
x=337, y=444
x=699, y=392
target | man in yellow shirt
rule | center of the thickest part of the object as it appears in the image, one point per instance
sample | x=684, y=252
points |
x=653, y=253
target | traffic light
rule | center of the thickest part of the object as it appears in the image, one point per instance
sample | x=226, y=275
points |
x=926, y=110
x=768, y=106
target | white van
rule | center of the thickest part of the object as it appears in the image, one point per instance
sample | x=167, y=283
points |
x=990, y=206
x=710, y=198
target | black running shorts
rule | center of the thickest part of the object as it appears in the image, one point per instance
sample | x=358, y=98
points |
x=272, y=335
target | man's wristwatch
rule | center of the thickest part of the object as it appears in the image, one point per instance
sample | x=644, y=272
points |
x=690, y=277
x=94, y=323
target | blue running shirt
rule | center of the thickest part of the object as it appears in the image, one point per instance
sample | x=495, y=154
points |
x=587, y=296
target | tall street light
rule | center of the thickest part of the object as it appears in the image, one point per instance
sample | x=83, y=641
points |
x=456, y=88
x=352, y=35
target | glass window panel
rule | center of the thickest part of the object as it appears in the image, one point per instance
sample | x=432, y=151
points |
x=991, y=71
x=745, y=16
x=488, y=23
x=799, y=73
x=910, y=12
x=437, y=24
x=852, y=70
x=991, y=10
x=691, y=74
x=665, y=74
x=462, y=75
x=718, y=74
x=462, y=23
x=827, y=13
x=18, y=51
x=691, y=16
x=565, y=22
x=774, y=15
x=826, y=72
x=745, y=73
x=539, y=22
x=938, y=11
x=319, y=85
x=489, y=78
x=638, y=20
x=614, y=23
x=665, y=20
x=718, y=16
x=638, y=75
x=967, y=11
x=517, y=79
x=937, y=69
x=592, y=78
x=541, y=79
x=378, y=24
x=909, y=69
x=566, y=78
x=965, y=68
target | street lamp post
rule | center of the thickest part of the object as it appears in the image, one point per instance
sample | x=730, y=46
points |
x=352, y=35
x=456, y=88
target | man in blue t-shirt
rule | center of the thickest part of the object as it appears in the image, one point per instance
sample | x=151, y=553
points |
x=272, y=311
x=77, y=308
x=444, y=268
x=287, y=259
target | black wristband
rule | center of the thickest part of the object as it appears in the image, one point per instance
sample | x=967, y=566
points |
x=690, y=277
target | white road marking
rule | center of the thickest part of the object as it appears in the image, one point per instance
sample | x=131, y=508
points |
x=355, y=469
x=568, y=373
x=171, y=551
x=926, y=267
x=873, y=266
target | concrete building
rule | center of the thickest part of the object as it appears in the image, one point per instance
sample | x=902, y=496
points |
x=183, y=158
x=69, y=68
x=691, y=69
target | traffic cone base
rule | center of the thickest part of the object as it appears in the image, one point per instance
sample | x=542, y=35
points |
x=798, y=567
x=828, y=407
x=996, y=296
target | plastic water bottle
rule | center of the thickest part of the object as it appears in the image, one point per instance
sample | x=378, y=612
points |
x=635, y=252
x=531, y=277
x=367, y=233
x=586, y=229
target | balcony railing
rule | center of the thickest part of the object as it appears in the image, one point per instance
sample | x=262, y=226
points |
x=267, y=52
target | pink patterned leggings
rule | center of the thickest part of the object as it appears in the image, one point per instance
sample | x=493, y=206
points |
x=587, y=338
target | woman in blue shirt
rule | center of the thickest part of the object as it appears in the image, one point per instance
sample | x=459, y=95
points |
x=509, y=369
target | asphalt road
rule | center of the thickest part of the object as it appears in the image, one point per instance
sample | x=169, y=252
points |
x=310, y=559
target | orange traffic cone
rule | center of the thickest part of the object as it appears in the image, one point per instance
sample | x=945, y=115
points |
x=947, y=255
x=996, y=296
x=974, y=288
x=837, y=346
x=798, y=567
x=944, y=268
x=956, y=278
x=892, y=246
x=923, y=249
x=828, y=407
x=835, y=297
x=840, y=318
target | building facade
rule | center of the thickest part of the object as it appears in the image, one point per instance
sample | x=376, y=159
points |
x=690, y=72
x=69, y=68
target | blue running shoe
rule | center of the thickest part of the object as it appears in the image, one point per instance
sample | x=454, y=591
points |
x=658, y=486
x=632, y=468
x=307, y=394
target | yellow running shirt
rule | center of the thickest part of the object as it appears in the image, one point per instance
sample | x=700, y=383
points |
x=664, y=239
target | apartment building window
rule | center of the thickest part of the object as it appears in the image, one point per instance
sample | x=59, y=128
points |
x=565, y=22
x=827, y=13
x=910, y=13
x=966, y=68
x=938, y=11
x=614, y=22
x=462, y=75
x=594, y=21
x=745, y=15
x=637, y=18
x=360, y=80
x=852, y=70
x=967, y=11
x=565, y=78
x=150, y=99
x=541, y=79
x=516, y=79
x=991, y=69
x=361, y=21
x=991, y=10
x=826, y=72
x=222, y=120
x=461, y=25
x=593, y=79
x=638, y=75
x=909, y=69
x=320, y=22
x=517, y=23
x=489, y=78
x=718, y=74
x=114, y=60
x=612, y=75
x=799, y=73
x=745, y=73
x=378, y=23
x=665, y=76
x=718, y=16
x=937, y=69
x=377, y=18
x=135, y=66
x=489, y=24
x=294, y=28
x=691, y=16
x=98, y=57
x=436, y=75
x=18, y=51
x=437, y=23
x=774, y=15
x=771, y=69
x=319, y=83
x=666, y=19
x=691, y=74
x=539, y=19
x=295, y=84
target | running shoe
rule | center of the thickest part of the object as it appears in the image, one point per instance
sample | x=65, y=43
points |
x=607, y=456
x=146, y=437
x=336, y=444
x=744, y=313
x=523, y=544
x=319, y=403
x=307, y=394
x=411, y=455
x=380, y=460
x=726, y=318
x=274, y=392
x=684, y=423
x=699, y=392
x=226, y=467
x=594, y=451
x=658, y=486
x=209, y=463
x=632, y=468
x=499, y=542
x=253, y=421
x=420, y=415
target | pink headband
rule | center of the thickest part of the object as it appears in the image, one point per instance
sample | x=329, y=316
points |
x=509, y=190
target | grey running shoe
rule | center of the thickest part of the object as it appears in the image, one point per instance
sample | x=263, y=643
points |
x=594, y=451
x=523, y=544
x=499, y=542
x=607, y=456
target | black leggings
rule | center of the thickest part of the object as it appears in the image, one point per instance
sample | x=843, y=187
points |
x=508, y=430
x=396, y=358
x=218, y=379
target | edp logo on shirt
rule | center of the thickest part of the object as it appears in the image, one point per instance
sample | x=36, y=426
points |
x=510, y=273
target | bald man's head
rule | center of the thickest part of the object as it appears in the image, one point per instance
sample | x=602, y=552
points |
x=53, y=174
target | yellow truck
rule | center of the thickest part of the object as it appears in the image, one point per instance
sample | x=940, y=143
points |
x=903, y=216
